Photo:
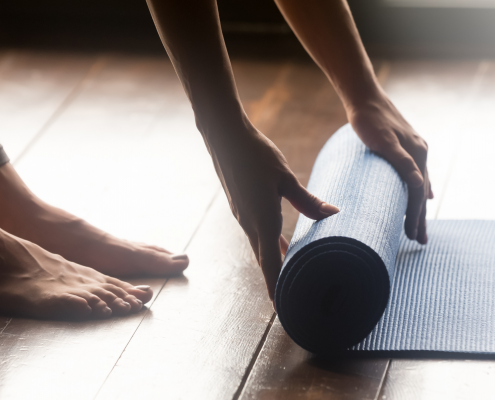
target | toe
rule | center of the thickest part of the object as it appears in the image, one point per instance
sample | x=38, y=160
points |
x=156, y=248
x=99, y=308
x=63, y=306
x=144, y=293
x=127, y=298
x=166, y=264
x=120, y=307
x=110, y=297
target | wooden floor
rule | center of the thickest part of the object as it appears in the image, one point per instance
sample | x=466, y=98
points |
x=112, y=138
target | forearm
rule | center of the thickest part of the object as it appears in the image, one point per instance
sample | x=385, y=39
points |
x=191, y=33
x=327, y=31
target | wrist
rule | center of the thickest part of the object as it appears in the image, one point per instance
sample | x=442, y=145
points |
x=219, y=118
x=363, y=94
x=366, y=98
x=225, y=134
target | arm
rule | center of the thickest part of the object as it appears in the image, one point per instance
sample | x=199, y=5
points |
x=328, y=32
x=253, y=172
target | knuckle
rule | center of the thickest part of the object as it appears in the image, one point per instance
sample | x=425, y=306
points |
x=94, y=298
x=422, y=147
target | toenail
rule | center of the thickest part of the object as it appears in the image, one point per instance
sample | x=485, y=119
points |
x=179, y=257
x=144, y=288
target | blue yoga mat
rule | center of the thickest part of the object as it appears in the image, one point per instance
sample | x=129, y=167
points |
x=354, y=283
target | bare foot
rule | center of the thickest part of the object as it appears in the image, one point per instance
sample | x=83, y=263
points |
x=26, y=216
x=36, y=283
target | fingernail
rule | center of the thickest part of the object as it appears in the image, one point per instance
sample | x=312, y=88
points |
x=328, y=209
x=144, y=288
x=415, y=179
x=415, y=234
x=139, y=301
x=107, y=310
x=179, y=257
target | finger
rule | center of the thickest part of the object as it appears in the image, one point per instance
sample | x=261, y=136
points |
x=284, y=244
x=414, y=207
x=404, y=164
x=430, y=192
x=306, y=203
x=422, y=237
x=270, y=261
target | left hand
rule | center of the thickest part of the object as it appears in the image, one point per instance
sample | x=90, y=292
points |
x=384, y=130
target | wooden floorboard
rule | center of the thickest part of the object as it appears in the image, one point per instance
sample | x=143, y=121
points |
x=468, y=194
x=299, y=114
x=61, y=360
x=286, y=371
x=34, y=86
x=210, y=323
x=201, y=333
x=122, y=149
x=471, y=193
x=434, y=95
x=116, y=144
x=310, y=113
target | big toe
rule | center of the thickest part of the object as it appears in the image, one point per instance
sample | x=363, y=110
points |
x=142, y=292
x=167, y=264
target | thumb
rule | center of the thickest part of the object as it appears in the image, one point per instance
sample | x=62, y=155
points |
x=306, y=203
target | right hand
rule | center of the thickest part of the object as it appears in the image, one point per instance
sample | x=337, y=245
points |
x=255, y=176
x=384, y=130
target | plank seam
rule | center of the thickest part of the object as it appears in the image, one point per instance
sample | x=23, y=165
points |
x=255, y=357
x=381, y=386
x=200, y=223
x=93, y=69
x=6, y=324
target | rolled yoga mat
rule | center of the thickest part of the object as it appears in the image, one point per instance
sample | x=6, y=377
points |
x=354, y=283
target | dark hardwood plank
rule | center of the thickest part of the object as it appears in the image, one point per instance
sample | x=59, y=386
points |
x=33, y=87
x=468, y=194
x=305, y=121
x=439, y=380
x=299, y=113
x=285, y=371
x=443, y=84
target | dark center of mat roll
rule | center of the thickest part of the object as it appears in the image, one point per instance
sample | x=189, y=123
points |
x=332, y=293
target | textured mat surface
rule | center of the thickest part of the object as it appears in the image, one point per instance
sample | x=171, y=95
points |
x=354, y=281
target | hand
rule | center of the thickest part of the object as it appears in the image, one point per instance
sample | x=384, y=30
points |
x=255, y=176
x=382, y=128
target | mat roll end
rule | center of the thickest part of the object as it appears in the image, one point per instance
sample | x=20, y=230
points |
x=331, y=294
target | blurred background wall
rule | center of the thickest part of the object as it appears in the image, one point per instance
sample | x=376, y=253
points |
x=388, y=27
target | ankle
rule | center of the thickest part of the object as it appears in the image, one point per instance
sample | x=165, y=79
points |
x=17, y=202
